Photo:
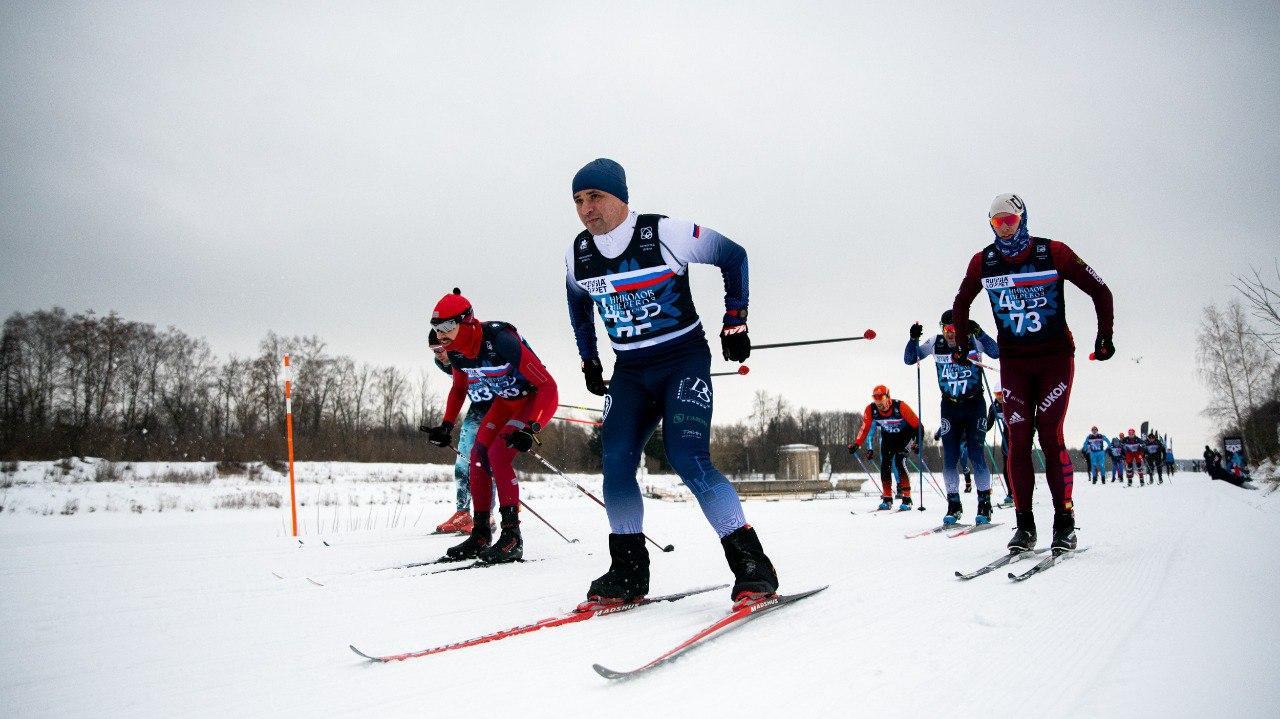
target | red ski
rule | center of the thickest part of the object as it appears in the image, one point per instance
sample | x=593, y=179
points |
x=583, y=612
x=735, y=618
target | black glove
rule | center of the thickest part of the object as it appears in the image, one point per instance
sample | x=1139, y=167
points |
x=852, y=449
x=594, y=373
x=975, y=330
x=916, y=331
x=960, y=357
x=1103, y=349
x=869, y=453
x=522, y=439
x=734, y=343
x=441, y=436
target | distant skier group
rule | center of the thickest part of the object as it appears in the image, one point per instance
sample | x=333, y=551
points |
x=1129, y=454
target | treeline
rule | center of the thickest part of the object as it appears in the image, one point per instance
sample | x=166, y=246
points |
x=89, y=385
x=85, y=385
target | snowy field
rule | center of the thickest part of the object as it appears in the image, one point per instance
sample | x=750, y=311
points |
x=171, y=608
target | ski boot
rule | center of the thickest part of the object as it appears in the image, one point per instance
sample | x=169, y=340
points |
x=753, y=574
x=509, y=547
x=1024, y=537
x=459, y=523
x=906, y=505
x=886, y=503
x=628, y=577
x=954, y=509
x=480, y=538
x=1064, y=532
x=984, y=507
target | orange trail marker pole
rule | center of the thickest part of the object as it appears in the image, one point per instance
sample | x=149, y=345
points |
x=288, y=429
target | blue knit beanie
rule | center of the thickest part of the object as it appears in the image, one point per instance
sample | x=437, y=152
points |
x=602, y=174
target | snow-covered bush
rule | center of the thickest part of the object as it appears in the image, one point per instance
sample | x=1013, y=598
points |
x=107, y=472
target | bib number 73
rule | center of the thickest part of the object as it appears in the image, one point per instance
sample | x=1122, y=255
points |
x=1024, y=322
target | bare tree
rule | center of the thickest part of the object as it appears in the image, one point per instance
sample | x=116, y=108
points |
x=390, y=384
x=1236, y=368
x=1264, y=303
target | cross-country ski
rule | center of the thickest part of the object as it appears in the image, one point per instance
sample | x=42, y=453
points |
x=586, y=610
x=740, y=615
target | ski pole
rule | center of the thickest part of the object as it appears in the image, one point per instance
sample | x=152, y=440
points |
x=544, y=521
x=868, y=335
x=580, y=488
x=578, y=406
x=920, y=427
x=933, y=481
x=593, y=423
x=867, y=471
x=1004, y=435
x=524, y=504
x=742, y=370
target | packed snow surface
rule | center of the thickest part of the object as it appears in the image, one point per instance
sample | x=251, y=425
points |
x=176, y=609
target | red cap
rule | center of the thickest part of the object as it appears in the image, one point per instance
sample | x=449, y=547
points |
x=881, y=389
x=452, y=305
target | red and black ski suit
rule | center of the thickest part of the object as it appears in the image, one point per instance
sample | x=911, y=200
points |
x=1037, y=361
x=492, y=363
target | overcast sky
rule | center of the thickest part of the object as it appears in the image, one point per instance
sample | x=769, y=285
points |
x=334, y=168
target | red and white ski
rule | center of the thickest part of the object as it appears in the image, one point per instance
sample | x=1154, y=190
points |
x=582, y=613
x=736, y=618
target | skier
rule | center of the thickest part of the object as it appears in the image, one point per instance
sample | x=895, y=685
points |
x=634, y=270
x=964, y=411
x=1170, y=464
x=1024, y=277
x=492, y=362
x=1132, y=444
x=898, y=427
x=1116, y=451
x=460, y=521
x=1154, y=450
x=1095, y=448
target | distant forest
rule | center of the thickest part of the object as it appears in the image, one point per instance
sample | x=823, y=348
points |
x=102, y=386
